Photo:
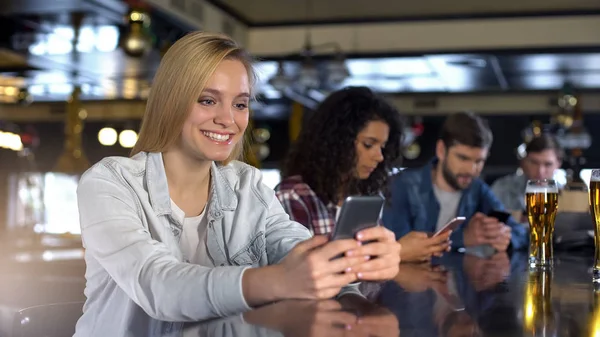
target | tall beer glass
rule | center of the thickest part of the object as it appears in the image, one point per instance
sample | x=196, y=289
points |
x=595, y=210
x=542, y=204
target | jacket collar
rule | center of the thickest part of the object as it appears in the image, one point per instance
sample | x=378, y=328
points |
x=222, y=195
x=426, y=185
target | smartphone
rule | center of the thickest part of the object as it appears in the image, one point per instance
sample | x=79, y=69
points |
x=452, y=225
x=500, y=215
x=357, y=213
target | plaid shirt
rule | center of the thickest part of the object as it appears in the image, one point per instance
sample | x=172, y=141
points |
x=303, y=205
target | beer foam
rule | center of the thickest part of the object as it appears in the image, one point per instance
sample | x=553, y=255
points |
x=541, y=189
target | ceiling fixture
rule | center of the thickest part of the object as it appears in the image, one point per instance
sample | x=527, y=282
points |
x=138, y=40
x=473, y=62
x=329, y=74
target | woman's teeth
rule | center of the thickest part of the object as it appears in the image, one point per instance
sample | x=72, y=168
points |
x=217, y=137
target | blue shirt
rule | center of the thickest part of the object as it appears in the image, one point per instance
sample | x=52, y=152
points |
x=414, y=206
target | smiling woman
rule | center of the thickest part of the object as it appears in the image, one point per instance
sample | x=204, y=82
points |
x=182, y=231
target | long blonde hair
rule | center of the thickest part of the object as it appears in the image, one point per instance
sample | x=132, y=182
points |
x=180, y=79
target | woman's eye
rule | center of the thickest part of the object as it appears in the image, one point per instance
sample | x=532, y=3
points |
x=367, y=146
x=241, y=106
x=206, y=101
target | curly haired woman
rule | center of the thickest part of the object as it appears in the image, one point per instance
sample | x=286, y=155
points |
x=347, y=148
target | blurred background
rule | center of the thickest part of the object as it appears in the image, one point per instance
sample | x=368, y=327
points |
x=74, y=76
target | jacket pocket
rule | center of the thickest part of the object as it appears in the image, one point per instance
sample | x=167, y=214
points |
x=250, y=254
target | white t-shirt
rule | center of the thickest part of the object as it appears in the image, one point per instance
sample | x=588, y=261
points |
x=193, y=237
x=193, y=247
x=448, y=205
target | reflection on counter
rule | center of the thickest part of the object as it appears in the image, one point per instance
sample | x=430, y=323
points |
x=539, y=317
x=460, y=295
x=50, y=255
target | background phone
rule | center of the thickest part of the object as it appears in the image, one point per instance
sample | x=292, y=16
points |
x=500, y=215
x=357, y=213
x=451, y=225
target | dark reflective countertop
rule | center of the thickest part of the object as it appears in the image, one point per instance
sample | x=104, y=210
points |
x=461, y=295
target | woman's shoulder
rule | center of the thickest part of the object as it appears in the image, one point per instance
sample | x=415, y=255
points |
x=238, y=177
x=116, y=165
x=118, y=177
x=294, y=183
x=236, y=172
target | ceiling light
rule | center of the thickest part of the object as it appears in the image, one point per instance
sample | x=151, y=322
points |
x=11, y=141
x=309, y=76
x=337, y=71
x=280, y=81
x=261, y=135
x=136, y=44
x=128, y=138
x=138, y=41
x=107, y=136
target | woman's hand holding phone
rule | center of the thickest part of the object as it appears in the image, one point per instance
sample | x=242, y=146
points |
x=311, y=271
x=319, y=267
x=420, y=246
x=381, y=254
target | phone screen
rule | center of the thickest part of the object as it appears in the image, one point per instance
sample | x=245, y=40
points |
x=500, y=215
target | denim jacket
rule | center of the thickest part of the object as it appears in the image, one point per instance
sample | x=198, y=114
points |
x=137, y=280
x=414, y=206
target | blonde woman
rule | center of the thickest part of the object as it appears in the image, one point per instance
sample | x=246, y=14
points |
x=181, y=231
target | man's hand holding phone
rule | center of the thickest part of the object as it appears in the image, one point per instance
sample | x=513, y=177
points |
x=420, y=246
x=484, y=229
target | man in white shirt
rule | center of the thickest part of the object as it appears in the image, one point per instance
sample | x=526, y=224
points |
x=543, y=157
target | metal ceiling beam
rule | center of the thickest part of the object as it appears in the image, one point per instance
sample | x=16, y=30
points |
x=488, y=104
x=433, y=36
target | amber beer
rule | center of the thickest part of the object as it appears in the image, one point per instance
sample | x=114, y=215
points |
x=595, y=211
x=542, y=204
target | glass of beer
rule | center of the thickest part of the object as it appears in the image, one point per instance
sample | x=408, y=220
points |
x=595, y=210
x=541, y=198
